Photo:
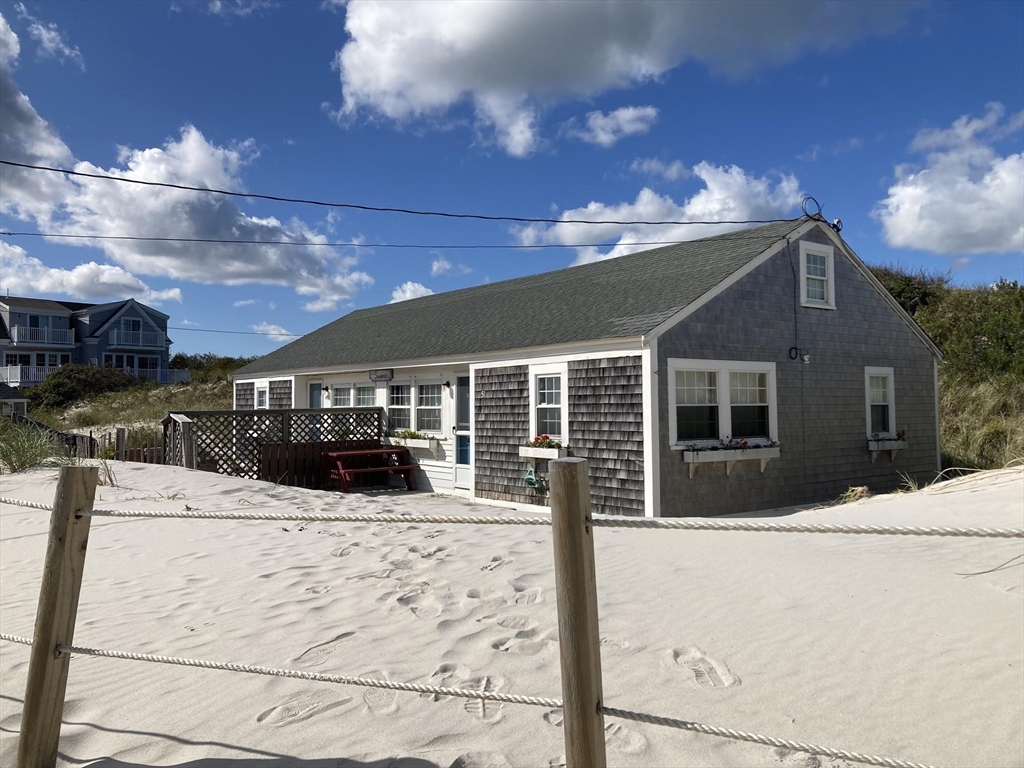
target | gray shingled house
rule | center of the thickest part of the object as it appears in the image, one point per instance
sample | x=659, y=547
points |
x=758, y=369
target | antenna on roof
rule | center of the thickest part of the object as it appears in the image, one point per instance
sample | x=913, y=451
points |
x=805, y=204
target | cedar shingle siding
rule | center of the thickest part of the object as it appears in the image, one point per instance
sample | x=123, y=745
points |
x=606, y=428
x=821, y=410
x=502, y=425
x=280, y=393
x=245, y=396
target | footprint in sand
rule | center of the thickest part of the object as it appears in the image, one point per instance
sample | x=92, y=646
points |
x=380, y=701
x=515, y=623
x=526, y=595
x=483, y=598
x=446, y=676
x=497, y=562
x=707, y=672
x=302, y=707
x=319, y=589
x=528, y=642
x=418, y=598
x=619, y=647
x=554, y=717
x=623, y=739
x=320, y=654
x=488, y=711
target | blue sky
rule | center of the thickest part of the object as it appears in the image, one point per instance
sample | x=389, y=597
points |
x=902, y=119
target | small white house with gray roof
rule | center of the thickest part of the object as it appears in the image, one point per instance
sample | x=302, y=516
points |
x=757, y=369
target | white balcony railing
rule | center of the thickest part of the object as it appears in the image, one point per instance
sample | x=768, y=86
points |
x=119, y=338
x=21, y=334
x=26, y=375
x=19, y=375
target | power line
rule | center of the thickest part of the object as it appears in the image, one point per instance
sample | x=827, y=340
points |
x=244, y=333
x=373, y=208
x=417, y=246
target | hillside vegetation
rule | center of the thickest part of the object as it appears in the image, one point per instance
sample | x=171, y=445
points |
x=980, y=331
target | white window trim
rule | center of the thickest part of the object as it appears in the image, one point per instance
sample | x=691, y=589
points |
x=549, y=369
x=829, y=253
x=342, y=385
x=415, y=420
x=870, y=371
x=722, y=367
x=265, y=389
x=367, y=385
x=410, y=407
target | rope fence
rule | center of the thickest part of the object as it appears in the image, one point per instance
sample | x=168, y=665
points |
x=572, y=524
x=599, y=521
x=505, y=698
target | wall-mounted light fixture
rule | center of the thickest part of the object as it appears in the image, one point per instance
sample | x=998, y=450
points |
x=447, y=385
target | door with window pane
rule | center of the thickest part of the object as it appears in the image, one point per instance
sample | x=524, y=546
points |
x=463, y=437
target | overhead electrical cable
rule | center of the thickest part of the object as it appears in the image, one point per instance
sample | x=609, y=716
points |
x=373, y=208
x=419, y=246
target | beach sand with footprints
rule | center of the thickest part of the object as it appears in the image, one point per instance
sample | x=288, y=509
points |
x=899, y=646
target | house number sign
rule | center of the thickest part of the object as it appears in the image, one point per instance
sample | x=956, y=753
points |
x=384, y=374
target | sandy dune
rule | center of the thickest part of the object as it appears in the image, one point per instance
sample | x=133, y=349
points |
x=882, y=645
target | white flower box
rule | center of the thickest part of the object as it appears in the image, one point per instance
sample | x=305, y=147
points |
x=892, y=446
x=730, y=456
x=529, y=452
x=428, y=444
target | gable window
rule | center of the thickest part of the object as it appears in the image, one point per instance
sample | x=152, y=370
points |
x=548, y=412
x=261, y=397
x=879, y=394
x=428, y=407
x=342, y=397
x=366, y=397
x=817, y=276
x=399, y=405
x=712, y=401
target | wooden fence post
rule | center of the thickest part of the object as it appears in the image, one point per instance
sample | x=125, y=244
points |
x=188, y=447
x=55, y=617
x=578, y=634
x=120, y=444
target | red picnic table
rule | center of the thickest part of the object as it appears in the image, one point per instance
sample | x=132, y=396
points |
x=345, y=465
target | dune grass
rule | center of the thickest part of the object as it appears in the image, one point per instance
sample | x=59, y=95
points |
x=23, y=446
x=982, y=423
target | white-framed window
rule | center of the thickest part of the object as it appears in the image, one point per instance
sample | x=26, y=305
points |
x=261, y=398
x=399, y=406
x=719, y=400
x=342, y=396
x=428, y=407
x=880, y=402
x=549, y=401
x=366, y=396
x=817, y=275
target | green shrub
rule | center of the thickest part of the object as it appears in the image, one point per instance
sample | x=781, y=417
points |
x=208, y=366
x=72, y=383
x=23, y=446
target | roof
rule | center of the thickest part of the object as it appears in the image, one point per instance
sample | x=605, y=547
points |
x=7, y=392
x=27, y=303
x=616, y=298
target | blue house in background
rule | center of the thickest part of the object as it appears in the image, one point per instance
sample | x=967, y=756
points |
x=39, y=335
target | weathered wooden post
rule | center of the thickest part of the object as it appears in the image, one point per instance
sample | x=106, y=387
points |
x=55, y=617
x=188, y=447
x=120, y=443
x=578, y=634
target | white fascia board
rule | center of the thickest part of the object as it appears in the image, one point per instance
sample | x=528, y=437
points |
x=579, y=350
x=731, y=280
x=854, y=259
x=117, y=316
x=652, y=446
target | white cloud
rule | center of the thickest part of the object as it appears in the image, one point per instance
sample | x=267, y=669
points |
x=244, y=303
x=274, y=332
x=189, y=322
x=240, y=8
x=440, y=266
x=652, y=166
x=28, y=276
x=605, y=130
x=729, y=193
x=967, y=198
x=509, y=60
x=409, y=290
x=51, y=42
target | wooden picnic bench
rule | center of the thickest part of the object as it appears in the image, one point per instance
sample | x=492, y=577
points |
x=343, y=466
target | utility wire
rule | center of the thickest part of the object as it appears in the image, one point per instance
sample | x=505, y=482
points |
x=374, y=208
x=419, y=246
x=244, y=333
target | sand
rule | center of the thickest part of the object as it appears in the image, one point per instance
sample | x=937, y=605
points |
x=878, y=645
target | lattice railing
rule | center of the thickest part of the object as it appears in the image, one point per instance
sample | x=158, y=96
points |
x=230, y=442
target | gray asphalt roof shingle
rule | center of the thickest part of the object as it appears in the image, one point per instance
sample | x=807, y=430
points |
x=7, y=392
x=626, y=296
x=29, y=303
